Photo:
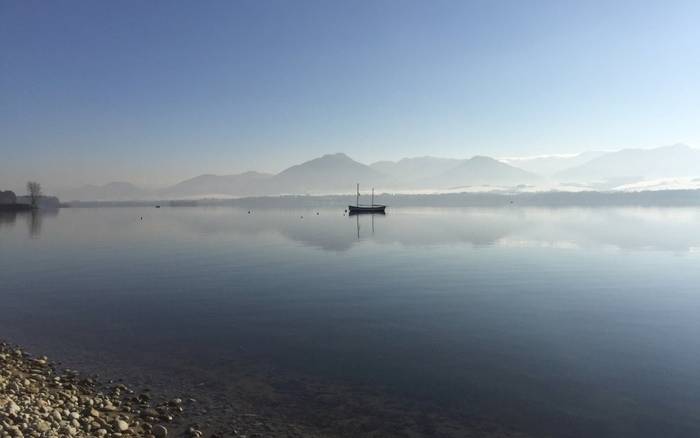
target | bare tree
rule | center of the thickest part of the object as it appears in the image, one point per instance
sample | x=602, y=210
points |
x=34, y=190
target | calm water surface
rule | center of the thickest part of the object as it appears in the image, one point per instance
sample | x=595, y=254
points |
x=554, y=322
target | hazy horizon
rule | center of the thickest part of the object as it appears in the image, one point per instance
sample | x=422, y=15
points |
x=631, y=169
x=159, y=92
x=515, y=160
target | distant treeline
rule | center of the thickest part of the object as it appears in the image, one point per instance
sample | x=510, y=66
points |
x=10, y=201
x=543, y=199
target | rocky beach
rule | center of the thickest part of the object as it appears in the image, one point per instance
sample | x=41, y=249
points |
x=38, y=400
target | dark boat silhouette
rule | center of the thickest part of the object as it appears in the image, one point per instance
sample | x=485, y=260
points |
x=371, y=208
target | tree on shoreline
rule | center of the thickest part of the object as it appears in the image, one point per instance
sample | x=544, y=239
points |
x=34, y=190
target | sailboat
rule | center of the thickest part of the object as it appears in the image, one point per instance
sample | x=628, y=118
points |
x=371, y=208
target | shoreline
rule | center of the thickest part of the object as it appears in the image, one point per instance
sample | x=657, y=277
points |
x=553, y=199
x=15, y=207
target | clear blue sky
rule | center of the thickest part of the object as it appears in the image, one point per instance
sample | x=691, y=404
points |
x=154, y=92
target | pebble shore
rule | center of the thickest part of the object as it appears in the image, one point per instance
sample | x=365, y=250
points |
x=37, y=400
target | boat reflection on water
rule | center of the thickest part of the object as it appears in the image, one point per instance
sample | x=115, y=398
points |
x=371, y=215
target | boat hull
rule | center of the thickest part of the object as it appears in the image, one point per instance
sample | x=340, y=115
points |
x=354, y=209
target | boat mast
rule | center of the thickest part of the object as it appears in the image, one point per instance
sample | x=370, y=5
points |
x=372, y=196
x=357, y=199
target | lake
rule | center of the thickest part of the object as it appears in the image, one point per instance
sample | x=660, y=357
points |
x=531, y=322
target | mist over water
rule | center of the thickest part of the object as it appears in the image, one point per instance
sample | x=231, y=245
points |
x=570, y=322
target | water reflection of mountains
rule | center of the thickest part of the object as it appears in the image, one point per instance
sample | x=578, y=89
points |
x=627, y=228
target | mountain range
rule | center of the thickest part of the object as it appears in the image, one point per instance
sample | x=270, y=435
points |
x=637, y=164
x=550, y=165
x=248, y=183
x=338, y=173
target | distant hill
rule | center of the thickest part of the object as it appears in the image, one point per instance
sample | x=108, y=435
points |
x=415, y=169
x=243, y=184
x=114, y=191
x=481, y=171
x=549, y=165
x=327, y=174
x=333, y=173
x=678, y=161
x=338, y=173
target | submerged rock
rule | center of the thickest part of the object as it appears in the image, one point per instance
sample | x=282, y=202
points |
x=159, y=431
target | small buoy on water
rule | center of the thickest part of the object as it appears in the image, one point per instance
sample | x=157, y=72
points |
x=316, y=213
x=248, y=211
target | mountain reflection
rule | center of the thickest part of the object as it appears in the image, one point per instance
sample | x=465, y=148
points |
x=625, y=228
x=666, y=229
